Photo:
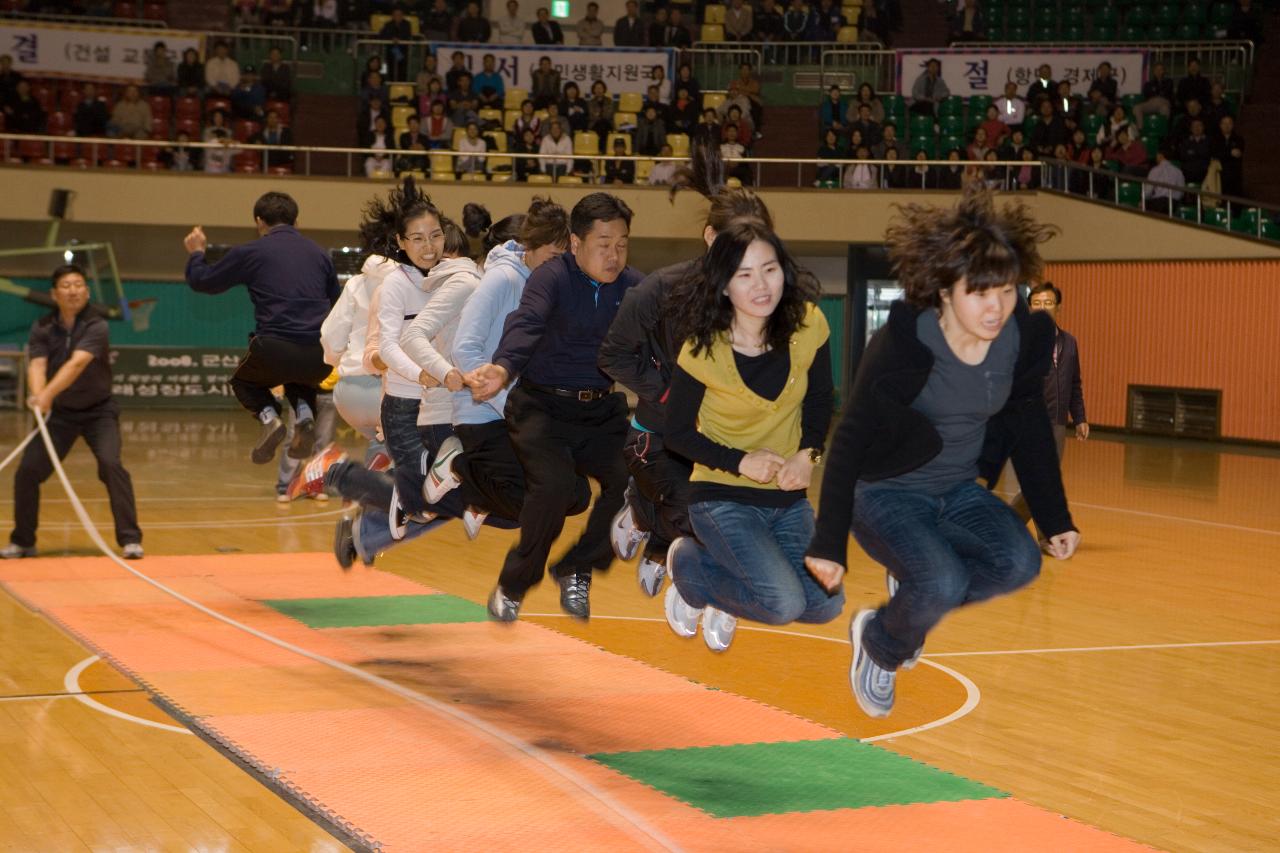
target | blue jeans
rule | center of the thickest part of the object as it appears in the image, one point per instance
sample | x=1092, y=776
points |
x=411, y=449
x=946, y=551
x=752, y=564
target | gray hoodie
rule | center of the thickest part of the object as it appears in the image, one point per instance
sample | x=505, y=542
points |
x=480, y=327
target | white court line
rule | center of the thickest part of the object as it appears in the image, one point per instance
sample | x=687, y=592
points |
x=1136, y=647
x=1222, y=524
x=277, y=521
x=971, y=699
x=71, y=681
x=203, y=500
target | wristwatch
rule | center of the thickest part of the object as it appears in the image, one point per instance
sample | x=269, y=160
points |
x=815, y=455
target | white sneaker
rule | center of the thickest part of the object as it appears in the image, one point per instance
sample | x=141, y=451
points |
x=397, y=518
x=718, y=628
x=472, y=521
x=681, y=616
x=650, y=573
x=132, y=551
x=625, y=536
x=440, y=478
x=282, y=498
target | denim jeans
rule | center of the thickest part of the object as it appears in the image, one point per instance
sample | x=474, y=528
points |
x=946, y=551
x=408, y=446
x=752, y=564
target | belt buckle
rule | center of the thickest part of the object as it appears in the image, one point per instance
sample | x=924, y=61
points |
x=586, y=396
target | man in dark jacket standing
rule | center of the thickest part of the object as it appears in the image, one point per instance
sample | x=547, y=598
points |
x=563, y=415
x=293, y=286
x=629, y=30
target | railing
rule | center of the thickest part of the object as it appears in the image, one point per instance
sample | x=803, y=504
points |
x=715, y=66
x=416, y=50
x=311, y=39
x=715, y=63
x=93, y=20
x=850, y=67
x=254, y=47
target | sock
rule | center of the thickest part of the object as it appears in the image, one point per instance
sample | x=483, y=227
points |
x=303, y=411
x=267, y=415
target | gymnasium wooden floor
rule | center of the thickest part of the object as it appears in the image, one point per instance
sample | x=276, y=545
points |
x=1133, y=689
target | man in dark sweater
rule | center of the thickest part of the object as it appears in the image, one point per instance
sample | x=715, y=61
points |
x=563, y=415
x=69, y=379
x=293, y=286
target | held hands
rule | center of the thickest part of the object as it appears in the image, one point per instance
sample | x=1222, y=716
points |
x=826, y=572
x=426, y=380
x=195, y=241
x=486, y=381
x=1064, y=545
x=761, y=465
x=1082, y=431
x=453, y=380
x=796, y=472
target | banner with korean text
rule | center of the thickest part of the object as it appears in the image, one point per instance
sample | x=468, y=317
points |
x=89, y=53
x=623, y=69
x=174, y=377
x=985, y=71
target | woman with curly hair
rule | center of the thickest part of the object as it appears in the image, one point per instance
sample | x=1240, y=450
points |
x=947, y=391
x=750, y=404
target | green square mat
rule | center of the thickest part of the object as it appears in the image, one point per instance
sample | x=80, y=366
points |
x=379, y=610
x=800, y=776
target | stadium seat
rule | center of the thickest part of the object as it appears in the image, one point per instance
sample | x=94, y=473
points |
x=613, y=137
x=212, y=104
x=514, y=98
x=1215, y=216
x=1187, y=32
x=623, y=120
x=539, y=178
x=643, y=169
x=1130, y=193
x=712, y=33
x=58, y=123
x=679, y=143
x=1220, y=16
x=187, y=108
x=921, y=125
x=952, y=106
x=630, y=102
x=441, y=161
x=712, y=100
x=713, y=14
x=281, y=109
x=154, y=11
x=161, y=106
x=1155, y=124
x=446, y=175
x=401, y=93
x=495, y=116
x=400, y=115
x=951, y=124
x=847, y=35
x=569, y=179
x=244, y=130
x=586, y=142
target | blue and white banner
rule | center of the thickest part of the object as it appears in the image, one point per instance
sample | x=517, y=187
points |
x=89, y=53
x=985, y=70
x=623, y=69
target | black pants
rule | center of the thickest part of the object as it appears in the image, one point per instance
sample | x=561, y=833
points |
x=663, y=480
x=100, y=427
x=491, y=474
x=300, y=368
x=557, y=440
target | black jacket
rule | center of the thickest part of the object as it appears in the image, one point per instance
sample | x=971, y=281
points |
x=628, y=34
x=548, y=33
x=641, y=347
x=880, y=436
x=1063, y=392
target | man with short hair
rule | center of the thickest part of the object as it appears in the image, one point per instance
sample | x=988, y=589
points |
x=221, y=72
x=399, y=32
x=1042, y=88
x=511, y=25
x=69, y=382
x=629, y=30
x=739, y=21
x=1165, y=171
x=292, y=285
x=1012, y=109
x=1194, y=85
x=474, y=27
x=545, y=30
x=564, y=417
x=591, y=28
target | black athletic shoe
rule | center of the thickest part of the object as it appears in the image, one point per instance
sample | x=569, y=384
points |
x=273, y=432
x=575, y=590
x=344, y=546
x=304, y=440
x=502, y=607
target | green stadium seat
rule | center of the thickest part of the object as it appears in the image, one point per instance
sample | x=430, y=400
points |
x=1029, y=123
x=1152, y=144
x=1104, y=32
x=1130, y=193
x=1154, y=124
x=1092, y=124
x=952, y=124
x=1017, y=16
x=1220, y=15
x=1187, y=212
x=1073, y=33
x=949, y=142
x=921, y=125
x=1215, y=216
x=894, y=105
x=1045, y=16
x=1130, y=101
x=1166, y=13
x=928, y=145
x=1256, y=223
x=978, y=105
x=1045, y=32
x=1138, y=16
x=1159, y=32
x=952, y=106
x=1187, y=32
x=1131, y=32
x=1194, y=12
x=1105, y=15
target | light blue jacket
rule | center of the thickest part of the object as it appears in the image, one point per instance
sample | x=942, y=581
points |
x=480, y=327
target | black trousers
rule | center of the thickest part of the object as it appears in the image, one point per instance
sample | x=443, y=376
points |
x=557, y=440
x=491, y=474
x=300, y=368
x=663, y=480
x=100, y=427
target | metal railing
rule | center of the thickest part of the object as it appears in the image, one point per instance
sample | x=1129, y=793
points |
x=94, y=20
x=311, y=39
x=254, y=47
x=850, y=67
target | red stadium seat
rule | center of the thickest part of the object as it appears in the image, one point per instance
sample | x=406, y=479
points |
x=189, y=126
x=64, y=151
x=150, y=154
x=71, y=98
x=281, y=108
x=124, y=9
x=161, y=106
x=43, y=93
x=115, y=164
x=154, y=11
x=81, y=163
x=244, y=130
x=247, y=161
x=281, y=170
x=126, y=153
x=159, y=128
x=152, y=165
x=188, y=107
x=217, y=104
x=31, y=149
x=59, y=123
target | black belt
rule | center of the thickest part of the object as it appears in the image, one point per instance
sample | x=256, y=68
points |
x=587, y=395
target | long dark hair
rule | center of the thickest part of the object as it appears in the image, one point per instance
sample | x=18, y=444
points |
x=706, y=311
x=705, y=175
x=385, y=219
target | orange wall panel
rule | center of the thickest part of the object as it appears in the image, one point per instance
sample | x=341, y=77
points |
x=1212, y=324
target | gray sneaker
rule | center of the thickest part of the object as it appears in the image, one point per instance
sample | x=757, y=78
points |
x=502, y=607
x=575, y=593
x=273, y=432
x=132, y=551
x=873, y=685
x=16, y=552
x=718, y=628
x=650, y=572
x=891, y=583
x=682, y=617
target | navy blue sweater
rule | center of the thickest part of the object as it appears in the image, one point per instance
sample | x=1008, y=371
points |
x=553, y=338
x=291, y=281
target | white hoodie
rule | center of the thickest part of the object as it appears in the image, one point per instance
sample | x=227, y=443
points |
x=344, y=331
x=428, y=340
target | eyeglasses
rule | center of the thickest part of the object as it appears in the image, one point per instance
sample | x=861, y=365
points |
x=417, y=240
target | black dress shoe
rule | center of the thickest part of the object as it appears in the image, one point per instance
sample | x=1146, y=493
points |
x=304, y=440
x=273, y=432
x=344, y=546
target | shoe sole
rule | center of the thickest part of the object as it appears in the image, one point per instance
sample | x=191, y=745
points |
x=304, y=442
x=344, y=548
x=855, y=640
x=266, y=449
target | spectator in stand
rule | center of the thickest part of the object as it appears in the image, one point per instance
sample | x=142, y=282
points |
x=221, y=72
x=457, y=67
x=591, y=28
x=23, y=113
x=1129, y=153
x=657, y=75
x=574, y=108
x=1012, y=109
x=1096, y=105
x=922, y=176
x=511, y=25
x=1077, y=147
x=372, y=66
x=1217, y=106
x=855, y=142
x=277, y=13
x=276, y=78
x=368, y=117
x=824, y=21
x=895, y=175
x=683, y=112
x=866, y=95
x=709, y=126
x=1014, y=144
x=746, y=86
x=1069, y=105
x=830, y=149
x=249, y=98
x=275, y=133
x=1182, y=123
x=629, y=30
x=978, y=147
x=438, y=129
x=951, y=177
x=180, y=157
x=1165, y=171
x=739, y=22
x=731, y=152
x=217, y=159
x=1194, y=85
x=380, y=140
x=489, y=85
x=831, y=113
x=870, y=128
x=1194, y=153
x=91, y=116
x=995, y=128
x=545, y=30
x=685, y=78
x=1026, y=176
x=161, y=76
x=600, y=110
x=929, y=89
x=1049, y=132
x=527, y=120
x=373, y=86
x=545, y=87
x=738, y=122
x=1246, y=23
x=1042, y=88
x=473, y=27
x=556, y=142
x=795, y=21
x=1157, y=95
x=463, y=104
x=434, y=94
x=664, y=171
x=652, y=97
x=1106, y=84
x=651, y=131
x=471, y=148
x=131, y=116
x=657, y=28
x=676, y=33
x=1227, y=147
x=190, y=73
x=769, y=23
x=411, y=139
x=862, y=175
x=889, y=141
x=1102, y=184
x=398, y=31
x=617, y=170
x=437, y=23
x=525, y=143
x=247, y=12
x=430, y=71
x=322, y=14
x=1108, y=132
x=9, y=78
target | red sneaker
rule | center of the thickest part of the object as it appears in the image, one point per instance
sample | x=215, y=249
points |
x=380, y=462
x=309, y=481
